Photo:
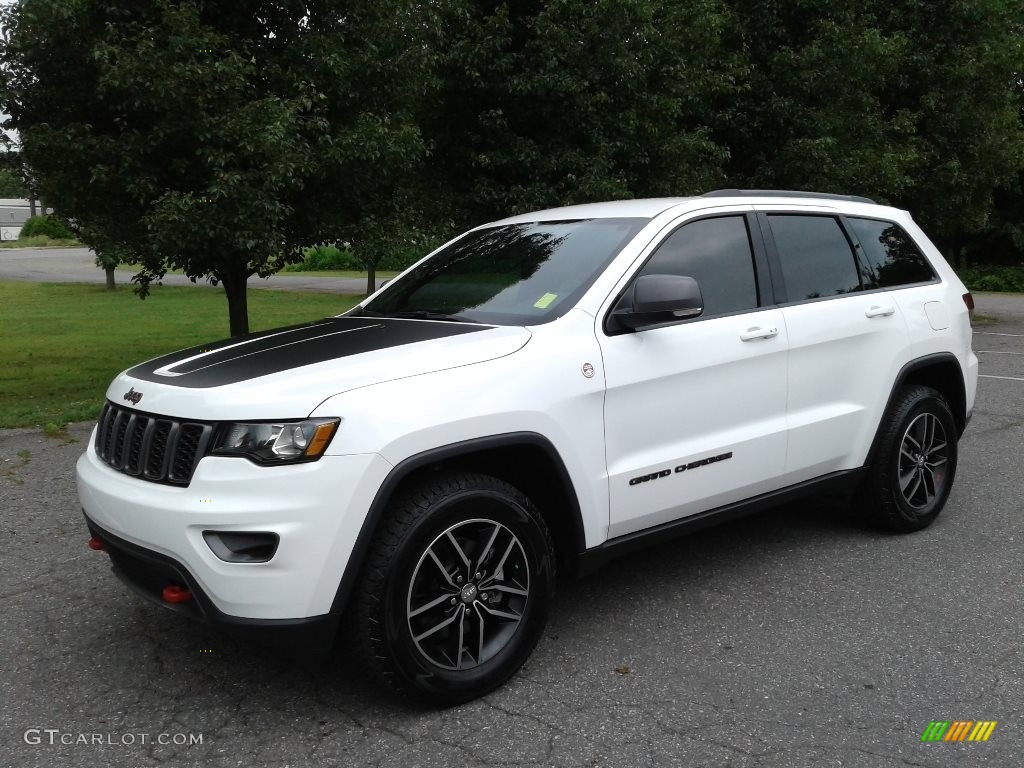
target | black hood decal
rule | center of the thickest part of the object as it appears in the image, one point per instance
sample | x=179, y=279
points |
x=259, y=354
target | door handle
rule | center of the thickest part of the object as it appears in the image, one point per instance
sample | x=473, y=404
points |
x=877, y=310
x=759, y=333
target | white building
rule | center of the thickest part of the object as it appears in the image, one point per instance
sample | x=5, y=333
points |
x=13, y=215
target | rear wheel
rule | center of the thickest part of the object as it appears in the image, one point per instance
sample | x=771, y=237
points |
x=456, y=589
x=914, y=466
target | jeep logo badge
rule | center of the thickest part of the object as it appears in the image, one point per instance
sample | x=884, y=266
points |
x=132, y=396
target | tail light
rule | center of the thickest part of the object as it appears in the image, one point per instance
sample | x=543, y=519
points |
x=969, y=303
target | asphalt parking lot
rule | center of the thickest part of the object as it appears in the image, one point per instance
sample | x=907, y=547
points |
x=795, y=638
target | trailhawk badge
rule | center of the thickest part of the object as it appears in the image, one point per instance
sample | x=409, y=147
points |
x=132, y=396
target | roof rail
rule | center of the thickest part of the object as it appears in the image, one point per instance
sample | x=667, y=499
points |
x=785, y=193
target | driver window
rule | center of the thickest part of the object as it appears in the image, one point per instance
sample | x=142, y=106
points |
x=717, y=254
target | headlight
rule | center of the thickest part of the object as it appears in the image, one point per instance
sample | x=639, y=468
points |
x=276, y=443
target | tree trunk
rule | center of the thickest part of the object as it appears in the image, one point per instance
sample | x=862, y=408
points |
x=31, y=206
x=110, y=278
x=238, y=304
x=371, y=277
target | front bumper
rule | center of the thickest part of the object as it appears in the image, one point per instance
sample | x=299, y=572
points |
x=316, y=509
x=147, y=573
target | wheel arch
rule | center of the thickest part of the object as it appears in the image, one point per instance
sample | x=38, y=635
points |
x=537, y=465
x=940, y=371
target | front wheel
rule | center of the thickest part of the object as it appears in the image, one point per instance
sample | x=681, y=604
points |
x=456, y=589
x=913, y=469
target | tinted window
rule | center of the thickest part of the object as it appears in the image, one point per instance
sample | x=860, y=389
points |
x=716, y=253
x=517, y=274
x=815, y=255
x=890, y=256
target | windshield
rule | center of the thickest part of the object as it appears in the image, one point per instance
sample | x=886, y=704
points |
x=515, y=274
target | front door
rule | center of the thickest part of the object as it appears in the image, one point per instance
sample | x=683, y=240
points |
x=695, y=412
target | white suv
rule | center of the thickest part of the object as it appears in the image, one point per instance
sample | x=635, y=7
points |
x=539, y=394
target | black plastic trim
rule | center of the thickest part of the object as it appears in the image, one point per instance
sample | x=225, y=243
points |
x=217, y=541
x=917, y=364
x=592, y=559
x=312, y=634
x=787, y=193
x=401, y=471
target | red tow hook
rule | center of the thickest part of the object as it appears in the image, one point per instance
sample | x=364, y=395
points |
x=176, y=593
x=96, y=544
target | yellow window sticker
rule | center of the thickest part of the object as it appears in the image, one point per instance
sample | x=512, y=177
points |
x=545, y=300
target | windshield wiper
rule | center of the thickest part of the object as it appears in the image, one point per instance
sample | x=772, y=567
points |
x=420, y=314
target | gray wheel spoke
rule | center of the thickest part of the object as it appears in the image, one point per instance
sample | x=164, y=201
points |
x=917, y=484
x=935, y=448
x=441, y=567
x=907, y=438
x=462, y=634
x=507, y=589
x=929, y=487
x=501, y=563
x=904, y=452
x=487, y=548
x=437, y=627
x=458, y=550
x=906, y=479
x=928, y=436
x=433, y=603
x=500, y=613
x=479, y=634
x=922, y=432
x=936, y=463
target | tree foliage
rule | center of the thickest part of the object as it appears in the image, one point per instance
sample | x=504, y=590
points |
x=11, y=185
x=221, y=137
x=549, y=103
x=212, y=136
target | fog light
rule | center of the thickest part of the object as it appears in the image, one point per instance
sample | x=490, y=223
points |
x=242, y=547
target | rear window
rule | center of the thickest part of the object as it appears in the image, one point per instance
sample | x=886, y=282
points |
x=816, y=258
x=890, y=255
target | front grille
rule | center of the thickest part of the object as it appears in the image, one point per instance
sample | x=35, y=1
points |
x=151, y=447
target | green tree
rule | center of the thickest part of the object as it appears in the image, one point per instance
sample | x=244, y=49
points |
x=567, y=101
x=11, y=185
x=908, y=102
x=214, y=136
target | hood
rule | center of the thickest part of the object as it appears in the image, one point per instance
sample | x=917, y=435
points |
x=287, y=372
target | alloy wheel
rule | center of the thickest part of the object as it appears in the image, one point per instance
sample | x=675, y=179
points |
x=468, y=594
x=923, y=458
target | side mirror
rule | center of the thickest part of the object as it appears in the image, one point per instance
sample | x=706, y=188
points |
x=661, y=299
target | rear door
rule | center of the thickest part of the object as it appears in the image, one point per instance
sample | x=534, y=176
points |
x=695, y=412
x=844, y=335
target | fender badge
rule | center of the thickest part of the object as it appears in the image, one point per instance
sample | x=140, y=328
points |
x=132, y=396
x=588, y=370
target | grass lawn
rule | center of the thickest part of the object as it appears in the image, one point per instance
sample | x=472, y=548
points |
x=61, y=344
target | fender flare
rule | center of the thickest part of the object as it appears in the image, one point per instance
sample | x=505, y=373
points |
x=905, y=372
x=407, y=466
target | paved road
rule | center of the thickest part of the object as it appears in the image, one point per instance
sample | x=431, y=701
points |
x=77, y=265
x=793, y=639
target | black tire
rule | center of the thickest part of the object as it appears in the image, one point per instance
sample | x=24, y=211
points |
x=401, y=571
x=906, y=488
